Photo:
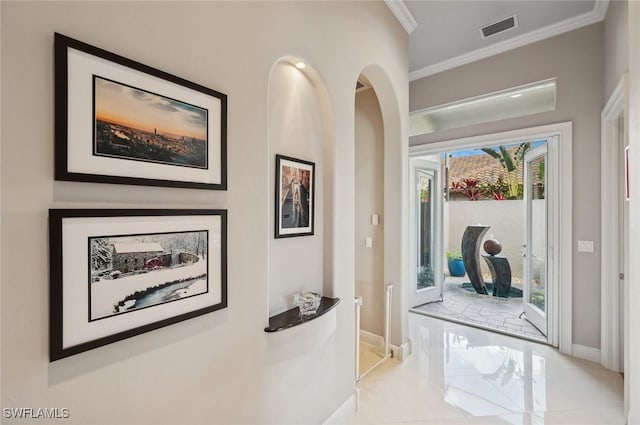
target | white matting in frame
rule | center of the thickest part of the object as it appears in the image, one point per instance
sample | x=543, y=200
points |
x=119, y=121
x=119, y=273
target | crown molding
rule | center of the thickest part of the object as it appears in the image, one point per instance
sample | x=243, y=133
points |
x=402, y=14
x=596, y=15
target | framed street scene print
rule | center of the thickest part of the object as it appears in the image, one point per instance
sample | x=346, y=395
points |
x=295, y=185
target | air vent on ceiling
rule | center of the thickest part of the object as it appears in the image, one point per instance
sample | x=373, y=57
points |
x=500, y=26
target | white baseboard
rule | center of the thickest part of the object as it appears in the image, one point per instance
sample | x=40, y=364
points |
x=587, y=353
x=401, y=352
x=371, y=338
x=343, y=413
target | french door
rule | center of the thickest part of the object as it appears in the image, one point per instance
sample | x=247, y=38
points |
x=535, y=288
x=426, y=232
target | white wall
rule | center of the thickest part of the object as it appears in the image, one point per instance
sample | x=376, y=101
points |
x=220, y=367
x=296, y=130
x=369, y=135
x=616, y=52
x=633, y=374
x=576, y=60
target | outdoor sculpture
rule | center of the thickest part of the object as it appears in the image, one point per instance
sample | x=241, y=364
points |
x=471, y=256
x=500, y=273
x=498, y=265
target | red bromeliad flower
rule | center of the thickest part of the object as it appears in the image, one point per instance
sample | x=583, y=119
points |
x=469, y=188
x=470, y=183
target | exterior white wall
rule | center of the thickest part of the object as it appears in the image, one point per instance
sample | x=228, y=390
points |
x=206, y=369
x=369, y=200
x=507, y=222
x=576, y=60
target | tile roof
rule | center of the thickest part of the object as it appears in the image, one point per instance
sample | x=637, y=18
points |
x=484, y=168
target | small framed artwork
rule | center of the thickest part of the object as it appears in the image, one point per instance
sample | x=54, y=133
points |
x=115, y=274
x=119, y=121
x=295, y=185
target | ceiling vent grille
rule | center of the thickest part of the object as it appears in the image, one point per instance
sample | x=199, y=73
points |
x=500, y=26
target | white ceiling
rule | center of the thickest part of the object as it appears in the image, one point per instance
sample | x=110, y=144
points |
x=447, y=33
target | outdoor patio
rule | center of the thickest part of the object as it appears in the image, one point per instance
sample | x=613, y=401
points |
x=483, y=311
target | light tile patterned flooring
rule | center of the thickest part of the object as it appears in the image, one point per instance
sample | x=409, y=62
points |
x=458, y=374
x=484, y=311
x=370, y=356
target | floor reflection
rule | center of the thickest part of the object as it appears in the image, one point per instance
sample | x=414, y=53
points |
x=457, y=374
x=492, y=379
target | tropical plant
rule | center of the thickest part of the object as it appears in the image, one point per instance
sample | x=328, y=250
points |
x=541, y=175
x=425, y=276
x=510, y=164
x=469, y=188
x=495, y=190
x=498, y=196
x=454, y=255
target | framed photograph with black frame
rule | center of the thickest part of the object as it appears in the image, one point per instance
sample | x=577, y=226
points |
x=295, y=186
x=119, y=121
x=115, y=274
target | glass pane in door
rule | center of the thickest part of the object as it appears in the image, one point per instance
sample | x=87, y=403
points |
x=425, y=226
x=538, y=241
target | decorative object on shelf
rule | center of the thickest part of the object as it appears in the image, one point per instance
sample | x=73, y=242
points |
x=119, y=121
x=115, y=274
x=292, y=317
x=455, y=264
x=471, y=256
x=295, y=185
x=307, y=302
x=492, y=246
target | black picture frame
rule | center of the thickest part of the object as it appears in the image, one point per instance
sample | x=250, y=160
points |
x=295, y=185
x=121, y=122
x=118, y=273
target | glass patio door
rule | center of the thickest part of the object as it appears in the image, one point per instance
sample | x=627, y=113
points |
x=535, y=289
x=426, y=233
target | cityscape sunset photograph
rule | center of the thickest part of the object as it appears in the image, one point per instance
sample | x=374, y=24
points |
x=131, y=123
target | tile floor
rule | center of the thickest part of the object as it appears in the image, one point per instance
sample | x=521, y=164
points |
x=464, y=375
x=370, y=356
x=462, y=305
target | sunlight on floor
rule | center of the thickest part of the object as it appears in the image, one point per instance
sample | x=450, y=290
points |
x=462, y=375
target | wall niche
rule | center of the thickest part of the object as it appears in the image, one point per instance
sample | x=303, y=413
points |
x=300, y=127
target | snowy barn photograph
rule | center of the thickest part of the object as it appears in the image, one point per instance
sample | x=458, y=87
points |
x=137, y=271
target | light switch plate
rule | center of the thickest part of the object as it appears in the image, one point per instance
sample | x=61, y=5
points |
x=585, y=246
